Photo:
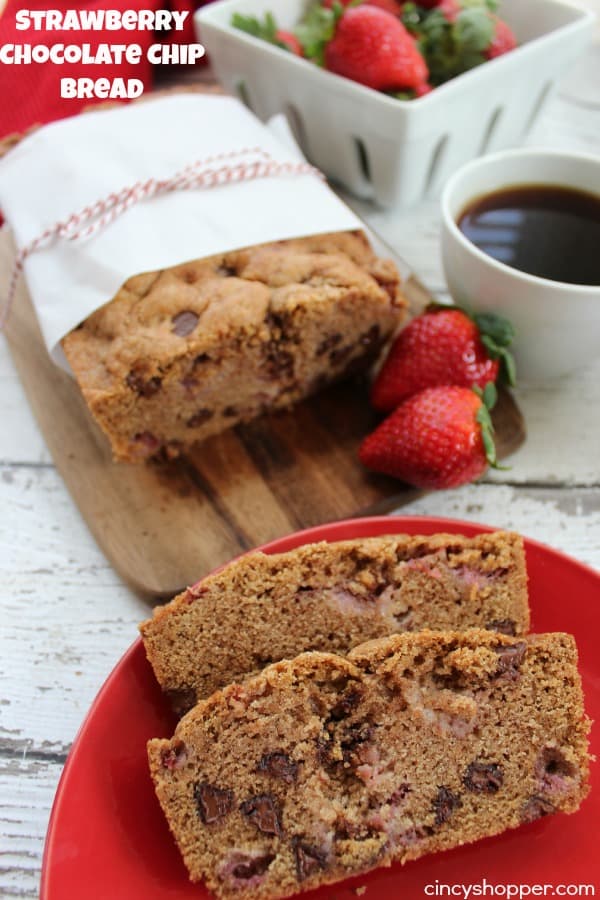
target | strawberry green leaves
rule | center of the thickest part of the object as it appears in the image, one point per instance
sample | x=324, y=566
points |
x=317, y=28
x=266, y=29
x=497, y=334
x=489, y=397
x=453, y=37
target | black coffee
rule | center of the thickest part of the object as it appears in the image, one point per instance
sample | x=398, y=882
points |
x=548, y=231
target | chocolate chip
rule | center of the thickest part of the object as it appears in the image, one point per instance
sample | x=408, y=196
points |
x=328, y=344
x=484, y=778
x=309, y=859
x=444, y=804
x=199, y=418
x=201, y=358
x=142, y=386
x=254, y=865
x=279, y=765
x=510, y=657
x=503, y=626
x=184, y=323
x=175, y=757
x=230, y=412
x=535, y=808
x=346, y=705
x=263, y=811
x=213, y=803
x=556, y=764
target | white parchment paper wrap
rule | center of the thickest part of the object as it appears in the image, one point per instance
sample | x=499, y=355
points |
x=67, y=165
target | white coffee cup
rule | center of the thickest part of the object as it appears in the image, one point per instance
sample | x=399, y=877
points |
x=557, y=324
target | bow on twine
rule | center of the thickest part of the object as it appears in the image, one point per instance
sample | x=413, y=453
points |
x=97, y=216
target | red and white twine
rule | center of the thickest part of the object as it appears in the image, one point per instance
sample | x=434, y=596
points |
x=203, y=174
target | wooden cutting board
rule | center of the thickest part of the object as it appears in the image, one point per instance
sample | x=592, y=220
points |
x=163, y=526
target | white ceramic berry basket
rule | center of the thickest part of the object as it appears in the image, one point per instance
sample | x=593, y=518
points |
x=397, y=152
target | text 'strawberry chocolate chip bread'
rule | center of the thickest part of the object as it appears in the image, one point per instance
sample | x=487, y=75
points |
x=322, y=767
x=260, y=608
x=185, y=353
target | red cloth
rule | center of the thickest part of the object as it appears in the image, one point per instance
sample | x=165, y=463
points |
x=31, y=93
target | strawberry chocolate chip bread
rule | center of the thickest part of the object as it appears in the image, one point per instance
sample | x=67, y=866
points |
x=332, y=596
x=184, y=353
x=323, y=767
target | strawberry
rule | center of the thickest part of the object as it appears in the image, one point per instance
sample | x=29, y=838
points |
x=502, y=41
x=391, y=6
x=374, y=48
x=444, y=346
x=439, y=438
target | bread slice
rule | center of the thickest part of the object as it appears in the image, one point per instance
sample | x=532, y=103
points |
x=187, y=352
x=260, y=608
x=323, y=767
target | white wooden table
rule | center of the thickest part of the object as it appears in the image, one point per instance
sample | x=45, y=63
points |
x=66, y=617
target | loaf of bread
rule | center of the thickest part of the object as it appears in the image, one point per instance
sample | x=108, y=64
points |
x=185, y=353
x=260, y=608
x=323, y=767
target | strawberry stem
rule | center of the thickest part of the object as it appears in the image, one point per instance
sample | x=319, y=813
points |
x=317, y=28
x=265, y=30
x=497, y=335
x=489, y=398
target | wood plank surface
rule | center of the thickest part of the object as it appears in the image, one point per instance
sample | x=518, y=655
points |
x=164, y=525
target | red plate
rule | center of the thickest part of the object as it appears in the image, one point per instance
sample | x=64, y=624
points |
x=107, y=838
